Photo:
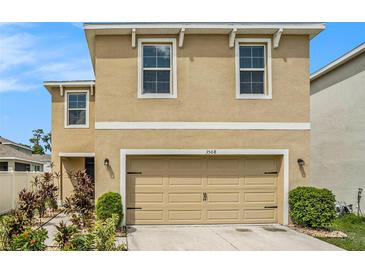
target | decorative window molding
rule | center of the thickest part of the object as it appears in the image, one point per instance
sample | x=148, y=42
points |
x=267, y=69
x=173, y=67
x=86, y=124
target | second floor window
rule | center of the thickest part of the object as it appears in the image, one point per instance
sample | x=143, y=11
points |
x=253, y=61
x=252, y=69
x=157, y=68
x=76, y=109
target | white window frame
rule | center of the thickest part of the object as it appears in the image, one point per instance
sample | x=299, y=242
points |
x=86, y=125
x=266, y=42
x=173, y=68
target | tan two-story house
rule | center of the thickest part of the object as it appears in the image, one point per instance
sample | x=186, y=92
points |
x=193, y=123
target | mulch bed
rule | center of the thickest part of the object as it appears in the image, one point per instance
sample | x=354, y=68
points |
x=321, y=233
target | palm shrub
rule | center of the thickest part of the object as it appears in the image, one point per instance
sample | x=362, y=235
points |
x=27, y=201
x=64, y=234
x=109, y=204
x=46, y=192
x=80, y=204
x=312, y=207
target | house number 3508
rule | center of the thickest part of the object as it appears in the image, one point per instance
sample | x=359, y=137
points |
x=211, y=151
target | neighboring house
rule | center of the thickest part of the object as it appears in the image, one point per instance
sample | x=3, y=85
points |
x=18, y=157
x=338, y=126
x=45, y=160
x=193, y=123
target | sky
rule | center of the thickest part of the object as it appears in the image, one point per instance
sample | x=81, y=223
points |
x=31, y=53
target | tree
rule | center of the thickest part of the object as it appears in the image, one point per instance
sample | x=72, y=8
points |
x=40, y=142
x=47, y=140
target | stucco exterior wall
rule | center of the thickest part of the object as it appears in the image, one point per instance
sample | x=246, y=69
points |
x=206, y=93
x=205, y=85
x=338, y=131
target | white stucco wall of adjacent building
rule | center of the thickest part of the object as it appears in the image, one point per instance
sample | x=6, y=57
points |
x=338, y=131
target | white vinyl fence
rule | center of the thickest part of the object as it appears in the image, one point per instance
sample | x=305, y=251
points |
x=11, y=183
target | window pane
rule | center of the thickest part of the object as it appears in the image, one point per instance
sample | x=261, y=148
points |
x=149, y=51
x=156, y=81
x=149, y=87
x=258, y=76
x=258, y=88
x=77, y=100
x=156, y=56
x=245, y=88
x=150, y=75
x=163, y=62
x=251, y=82
x=245, y=51
x=76, y=117
x=245, y=62
x=258, y=51
x=258, y=62
x=149, y=62
x=246, y=76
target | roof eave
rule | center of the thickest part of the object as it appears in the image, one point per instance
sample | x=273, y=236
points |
x=91, y=29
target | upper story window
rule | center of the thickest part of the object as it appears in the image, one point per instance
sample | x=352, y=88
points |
x=157, y=68
x=77, y=109
x=253, y=65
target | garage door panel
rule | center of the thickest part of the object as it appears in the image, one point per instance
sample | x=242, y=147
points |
x=223, y=197
x=259, y=166
x=185, y=215
x=147, y=197
x=223, y=215
x=223, y=181
x=185, y=181
x=259, y=197
x=184, y=164
x=146, y=215
x=259, y=215
x=183, y=198
x=148, y=165
x=217, y=166
x=260, y=181
x=145, y=180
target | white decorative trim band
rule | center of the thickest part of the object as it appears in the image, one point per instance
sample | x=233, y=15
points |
x=76, y=154
x=202, y=125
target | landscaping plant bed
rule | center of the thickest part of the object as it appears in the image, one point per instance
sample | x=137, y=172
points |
x=319, y=233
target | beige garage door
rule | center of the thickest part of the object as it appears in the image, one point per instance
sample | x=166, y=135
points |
x=202, y=190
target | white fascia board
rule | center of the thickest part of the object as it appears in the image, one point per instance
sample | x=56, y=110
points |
x=308, y=26
x=68, y=83
x=338, y=62
x=76, y=154
x=202, y=125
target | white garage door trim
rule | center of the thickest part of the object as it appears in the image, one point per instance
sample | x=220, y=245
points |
x=284, y=152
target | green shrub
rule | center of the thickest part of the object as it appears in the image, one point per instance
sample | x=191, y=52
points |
x=312, y=207
x=64, y=234
x=5, y=232
x=108, y=204
x=30, y=240
x=80, y=242
x=104, y=234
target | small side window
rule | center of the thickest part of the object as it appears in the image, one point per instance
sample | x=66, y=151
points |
x=76, y=112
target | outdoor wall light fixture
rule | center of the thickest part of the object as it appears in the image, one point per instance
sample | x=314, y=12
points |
x=301, y=164
x=106, y=162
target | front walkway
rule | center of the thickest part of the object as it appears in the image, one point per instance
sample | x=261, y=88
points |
x=221, y=237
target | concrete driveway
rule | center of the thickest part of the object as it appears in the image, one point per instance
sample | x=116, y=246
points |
x=221, y=237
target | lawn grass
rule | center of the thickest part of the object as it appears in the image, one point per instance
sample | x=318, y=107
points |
x=354, y=227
